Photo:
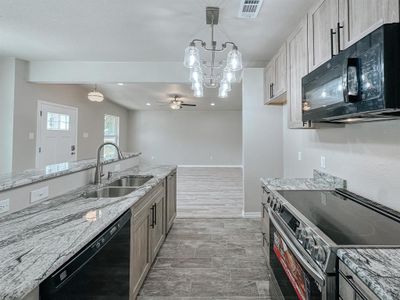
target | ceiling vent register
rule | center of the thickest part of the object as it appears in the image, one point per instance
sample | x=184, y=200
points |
x=249, y=9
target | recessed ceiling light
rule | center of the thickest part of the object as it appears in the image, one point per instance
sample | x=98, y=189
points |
x=148, y=103
x=212, y=104
x=120, y=83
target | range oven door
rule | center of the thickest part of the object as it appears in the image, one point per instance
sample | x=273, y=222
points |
x=296, y=276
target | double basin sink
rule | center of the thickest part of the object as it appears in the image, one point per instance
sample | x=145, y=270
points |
x=118, y=188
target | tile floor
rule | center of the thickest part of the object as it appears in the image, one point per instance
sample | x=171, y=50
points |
x=209, y=193
x=209, y=259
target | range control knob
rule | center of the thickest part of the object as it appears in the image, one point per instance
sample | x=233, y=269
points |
x=299, y=232
x=319, y=254
x=309, y=243
x=278, y=206
x=271, y=204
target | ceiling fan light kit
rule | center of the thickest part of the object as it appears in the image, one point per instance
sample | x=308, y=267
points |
x=212, y=74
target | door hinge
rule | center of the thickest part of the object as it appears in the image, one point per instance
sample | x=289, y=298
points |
x=41, y=113
x=40, y=149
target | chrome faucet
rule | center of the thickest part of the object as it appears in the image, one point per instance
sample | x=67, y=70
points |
x=99, y=165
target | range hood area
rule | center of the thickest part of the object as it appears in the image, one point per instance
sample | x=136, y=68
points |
x=360, y=84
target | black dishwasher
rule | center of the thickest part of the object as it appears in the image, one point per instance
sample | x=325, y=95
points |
x=98, y=271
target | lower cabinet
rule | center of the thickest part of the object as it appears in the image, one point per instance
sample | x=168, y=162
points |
x=148, y=235
x=171, y=201
x=157, y=228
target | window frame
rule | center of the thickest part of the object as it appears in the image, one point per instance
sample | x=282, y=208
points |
x=107, y=137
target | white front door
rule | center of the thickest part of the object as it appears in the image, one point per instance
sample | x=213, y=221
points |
x=56, y=134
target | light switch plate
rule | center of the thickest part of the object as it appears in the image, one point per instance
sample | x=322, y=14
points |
x=85, y=135
x=4, y=206
x=299, y=155
x=40, y=194
x=323, y=162
x=31, y=136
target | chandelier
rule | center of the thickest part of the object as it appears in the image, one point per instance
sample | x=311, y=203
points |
x=95, y=95
x=212, y=74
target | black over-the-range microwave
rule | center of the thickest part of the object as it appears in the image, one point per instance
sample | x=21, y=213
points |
x=360, y=84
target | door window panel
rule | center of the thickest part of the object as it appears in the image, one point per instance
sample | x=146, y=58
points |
x=56, y=121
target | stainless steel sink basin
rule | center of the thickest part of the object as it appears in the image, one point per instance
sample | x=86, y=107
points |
x=110, y=192
x=131, y=181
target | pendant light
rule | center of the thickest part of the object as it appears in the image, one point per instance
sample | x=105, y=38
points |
x=95, y=96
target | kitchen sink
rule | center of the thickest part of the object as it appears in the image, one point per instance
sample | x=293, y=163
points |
x=110, y=192
x=131, y=181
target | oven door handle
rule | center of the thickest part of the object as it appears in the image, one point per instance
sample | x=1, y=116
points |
x=306, y=265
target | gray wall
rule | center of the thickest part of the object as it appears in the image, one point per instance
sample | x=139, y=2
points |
x=187, y=137
x=90, y=117
x=367, y=155
x=7, y=83
x=262, y=138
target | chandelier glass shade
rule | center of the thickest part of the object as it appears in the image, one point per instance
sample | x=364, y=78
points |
x=212, y=74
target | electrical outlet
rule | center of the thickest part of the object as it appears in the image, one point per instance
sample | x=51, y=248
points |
x=299, y=155
x=117, y=168
x=31, y=136
x=85, y=135
x=152, y=158
x=323, y=162
x=40, y=194
x=211, y=157
x=4, y=205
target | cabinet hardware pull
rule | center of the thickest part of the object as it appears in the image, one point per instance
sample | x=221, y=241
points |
x=152, y=216
x=333, y=32
x=155, y=214
x=339, y=27
x=272, y=90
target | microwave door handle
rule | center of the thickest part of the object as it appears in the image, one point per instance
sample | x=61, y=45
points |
x=352, y=93
x=306, y=265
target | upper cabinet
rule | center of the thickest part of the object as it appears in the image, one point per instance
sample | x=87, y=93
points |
x=275, y=78
x=297, y=54
x=360, y=17
x=334, y=25
x=322, y=27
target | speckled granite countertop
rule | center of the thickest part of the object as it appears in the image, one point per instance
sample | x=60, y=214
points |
x=14, y=180
x=379, y=269
x=320, y=181
x=36, y=241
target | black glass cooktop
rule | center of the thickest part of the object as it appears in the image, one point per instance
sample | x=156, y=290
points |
x=345, y=221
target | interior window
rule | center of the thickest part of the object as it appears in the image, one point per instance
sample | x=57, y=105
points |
x=111, y=134
x=56, y=121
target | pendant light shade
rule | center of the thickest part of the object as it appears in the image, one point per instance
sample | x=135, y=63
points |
x=95, y=96
x=229, y=75
x=234, y=61
x=191, y=58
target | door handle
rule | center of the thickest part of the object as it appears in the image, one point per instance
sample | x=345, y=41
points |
x=339, y=28
x=155, y=214
x=272, y=90
x=333, y=32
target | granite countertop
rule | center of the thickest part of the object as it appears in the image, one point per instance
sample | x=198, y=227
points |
x=377, y=268
x=320, y=181
x=14, y=180
x=36, y=241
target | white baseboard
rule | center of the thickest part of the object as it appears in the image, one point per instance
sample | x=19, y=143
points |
x=251, y=215
x=210, y=166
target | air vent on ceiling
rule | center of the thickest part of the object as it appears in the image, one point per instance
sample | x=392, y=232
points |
x=249, y=9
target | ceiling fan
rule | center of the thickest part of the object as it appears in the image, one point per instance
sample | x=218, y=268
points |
x=176, y=103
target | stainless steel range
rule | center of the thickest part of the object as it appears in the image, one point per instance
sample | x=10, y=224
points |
x=303, y=229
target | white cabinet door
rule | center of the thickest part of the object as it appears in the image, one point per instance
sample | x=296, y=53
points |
x=322, y=32
x=279, y=86
x=269, y=81
x=297, y=53
x=360, y=17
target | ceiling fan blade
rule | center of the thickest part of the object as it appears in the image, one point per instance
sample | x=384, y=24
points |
x=184, y=104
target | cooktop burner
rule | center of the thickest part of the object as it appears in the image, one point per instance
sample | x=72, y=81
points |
x=343, y=220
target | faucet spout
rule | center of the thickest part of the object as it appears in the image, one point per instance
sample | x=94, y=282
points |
x=99, y=166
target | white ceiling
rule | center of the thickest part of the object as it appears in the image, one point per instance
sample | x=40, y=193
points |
x=142, y=31
x=130, y=30
x=135, y=96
